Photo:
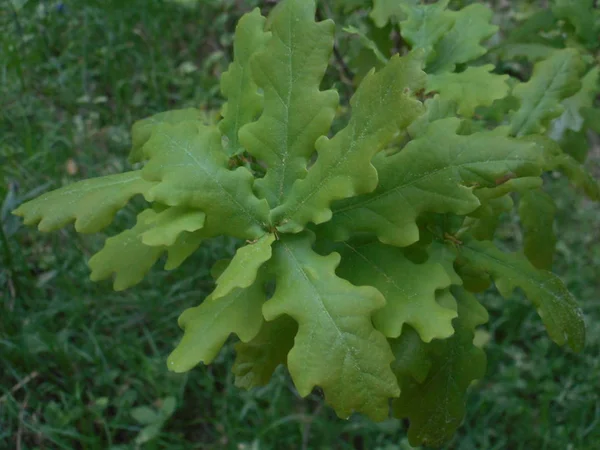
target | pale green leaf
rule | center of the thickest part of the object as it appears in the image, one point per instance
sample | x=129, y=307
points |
x=436, y=108
x=409, y=289
x=256, y=360
x=555, y=304
x=91, y=203
x=435, y=405
x=385, y=11
x=143, y=129
x=537, y=210
x=572, y=117
x=425, y=25
x=474, y=87
x=434, y=173
x=381, y=107
x=149, y=433
x=553, y=80
x=130, y=259
x=170, y=223
x=296, y=112
x=190, y=169
x=336, y=347
x=145, y=415
x=471, y=26
x=243, y=268
x=182, y=249
x=126, y=256
x=244, y=103
x=207, y=326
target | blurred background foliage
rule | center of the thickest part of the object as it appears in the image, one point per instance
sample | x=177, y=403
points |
x=83, y=367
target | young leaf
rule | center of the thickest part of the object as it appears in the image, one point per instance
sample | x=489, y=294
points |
x=409, y=289
x=556, y=306
x=336, y=347
x=435, y=405
x=487, y=217
x=555, y=159
x=296, y=112
x=444, y=256
x=143, y=129
x=168, y=224
x=92, y=203
x=385, y=11
x=130, y=259
x=572, y=117
x=257, y=359
x=471, y=25
x=425, y=25
x=432, y=174
x=382, y=106
x=190, y=169
x=537, y=210
x=553, y=80
x=207, y=326
x=243, y=268
x=244, y=103
x=474, y=87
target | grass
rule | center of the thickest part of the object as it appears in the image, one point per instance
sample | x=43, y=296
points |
x=84, y=367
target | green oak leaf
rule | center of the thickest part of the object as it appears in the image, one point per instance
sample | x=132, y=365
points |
x=381, y=107
x=92, y=203
x=553, y=80
x=537, y=210
x=336, y=347
x=485, y=219
x=182, y=249
x=296, y=112
x=130, y=259
x=533, y=52
x=244, y=103
x=243, y=268
x=367, y=43
x=474, y=87
x=168, y=224
x=444, y=256
x=434, y=399
x=425, y=25
x=462, y=43
x=385, y=11
x=412, y=359
x=555, y=304
x=572, y=117
x=555, y=159
x=189, y=167
x=143, y=129
x=207, y=326
x=257, y=359
x=436, y=108
x=582, y=15
x=409, y=289
x=428, y=176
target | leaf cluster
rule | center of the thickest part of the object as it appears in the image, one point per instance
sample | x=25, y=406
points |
x=362, y=248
